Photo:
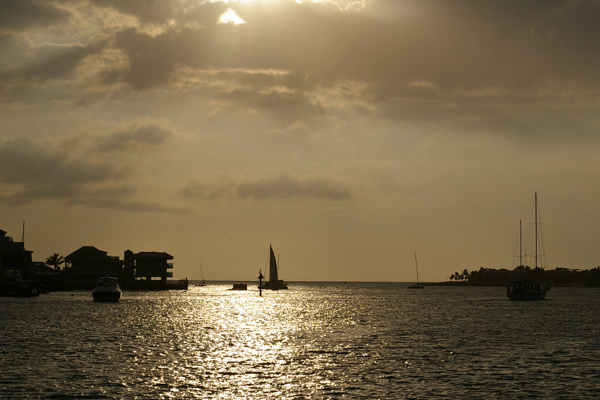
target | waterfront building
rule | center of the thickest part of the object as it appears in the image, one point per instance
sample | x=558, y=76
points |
x=90, y=261
x=14, y=258
x=148, y=265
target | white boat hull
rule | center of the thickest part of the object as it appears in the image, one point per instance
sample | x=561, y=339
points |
x=107, y=290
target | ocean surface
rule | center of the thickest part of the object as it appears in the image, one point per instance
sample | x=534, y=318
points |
x=316, y=340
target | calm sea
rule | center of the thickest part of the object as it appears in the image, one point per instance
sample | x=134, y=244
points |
x=355, y=340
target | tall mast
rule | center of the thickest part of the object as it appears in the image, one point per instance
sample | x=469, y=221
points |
x=416, y=267
x=536, y=232
x=520, y=244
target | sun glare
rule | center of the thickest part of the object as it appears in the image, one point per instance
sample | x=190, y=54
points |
x=230, y=17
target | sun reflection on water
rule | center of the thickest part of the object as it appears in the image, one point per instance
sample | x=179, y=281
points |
x=222, y=341
x=218, y=343
x=363, y=340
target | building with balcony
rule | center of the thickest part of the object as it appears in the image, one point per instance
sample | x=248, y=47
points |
x=148, y=265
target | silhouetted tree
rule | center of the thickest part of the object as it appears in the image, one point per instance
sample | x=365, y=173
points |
x=465, y=275
x=55, y=260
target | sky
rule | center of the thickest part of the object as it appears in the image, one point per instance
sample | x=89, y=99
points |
x=347, y=134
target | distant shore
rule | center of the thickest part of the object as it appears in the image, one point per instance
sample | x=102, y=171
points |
x=441, y=283
x=499, y=284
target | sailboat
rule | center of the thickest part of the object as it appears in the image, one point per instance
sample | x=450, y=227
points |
x=202, y=281
x=528, y=289
x=417, y=285
x=274, y=283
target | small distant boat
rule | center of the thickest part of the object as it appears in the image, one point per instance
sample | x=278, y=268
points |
x=528, y=289
x=239, y=286
x=274, y=283
x=417, y=285
x=202, y=281
x=107, y=289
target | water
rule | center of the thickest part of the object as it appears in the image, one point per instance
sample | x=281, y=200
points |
x=314, y=341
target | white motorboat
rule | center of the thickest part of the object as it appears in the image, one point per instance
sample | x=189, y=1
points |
x=107, y=289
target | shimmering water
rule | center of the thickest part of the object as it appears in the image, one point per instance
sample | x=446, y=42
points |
x=313, y=341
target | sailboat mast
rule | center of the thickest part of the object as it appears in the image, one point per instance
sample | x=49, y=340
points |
x=536, y=232
x=520, y=244
x=417, y=267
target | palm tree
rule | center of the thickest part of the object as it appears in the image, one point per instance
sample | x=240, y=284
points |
x=465, y=274
x=55, y=260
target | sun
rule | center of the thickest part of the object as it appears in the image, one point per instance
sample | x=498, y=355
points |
x=230, y=17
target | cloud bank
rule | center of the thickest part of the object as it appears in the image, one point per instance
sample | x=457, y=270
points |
x=281, y=186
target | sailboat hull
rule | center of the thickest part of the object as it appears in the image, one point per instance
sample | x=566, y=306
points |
x=526, y=290
x=417, y=286
x=519, y=293
x=274, y=285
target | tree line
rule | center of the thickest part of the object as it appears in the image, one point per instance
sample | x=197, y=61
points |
x=557, y=276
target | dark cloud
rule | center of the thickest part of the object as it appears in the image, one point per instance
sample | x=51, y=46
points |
x=282, y=105
x=138, y=134
x=276, y=187
x=286, y=186
x=26, y=162
x=152, y=60
x=120, y=204
x=155, y=11
x=32, y=173
x=415, y=61
x=464, y=44
x=204, y=14
x=208, y=192
x=59, y=65
x=19, y=15
x=448, y=48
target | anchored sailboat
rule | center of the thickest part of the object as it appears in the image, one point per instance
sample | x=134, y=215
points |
x=417, y=285
x=528, y=289
x=274, y=283
x=202, y=281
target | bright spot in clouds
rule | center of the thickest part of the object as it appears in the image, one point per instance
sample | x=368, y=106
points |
x=362, y=130
x=231, y=17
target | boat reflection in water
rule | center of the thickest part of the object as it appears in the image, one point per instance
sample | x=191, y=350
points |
x=107, y=289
